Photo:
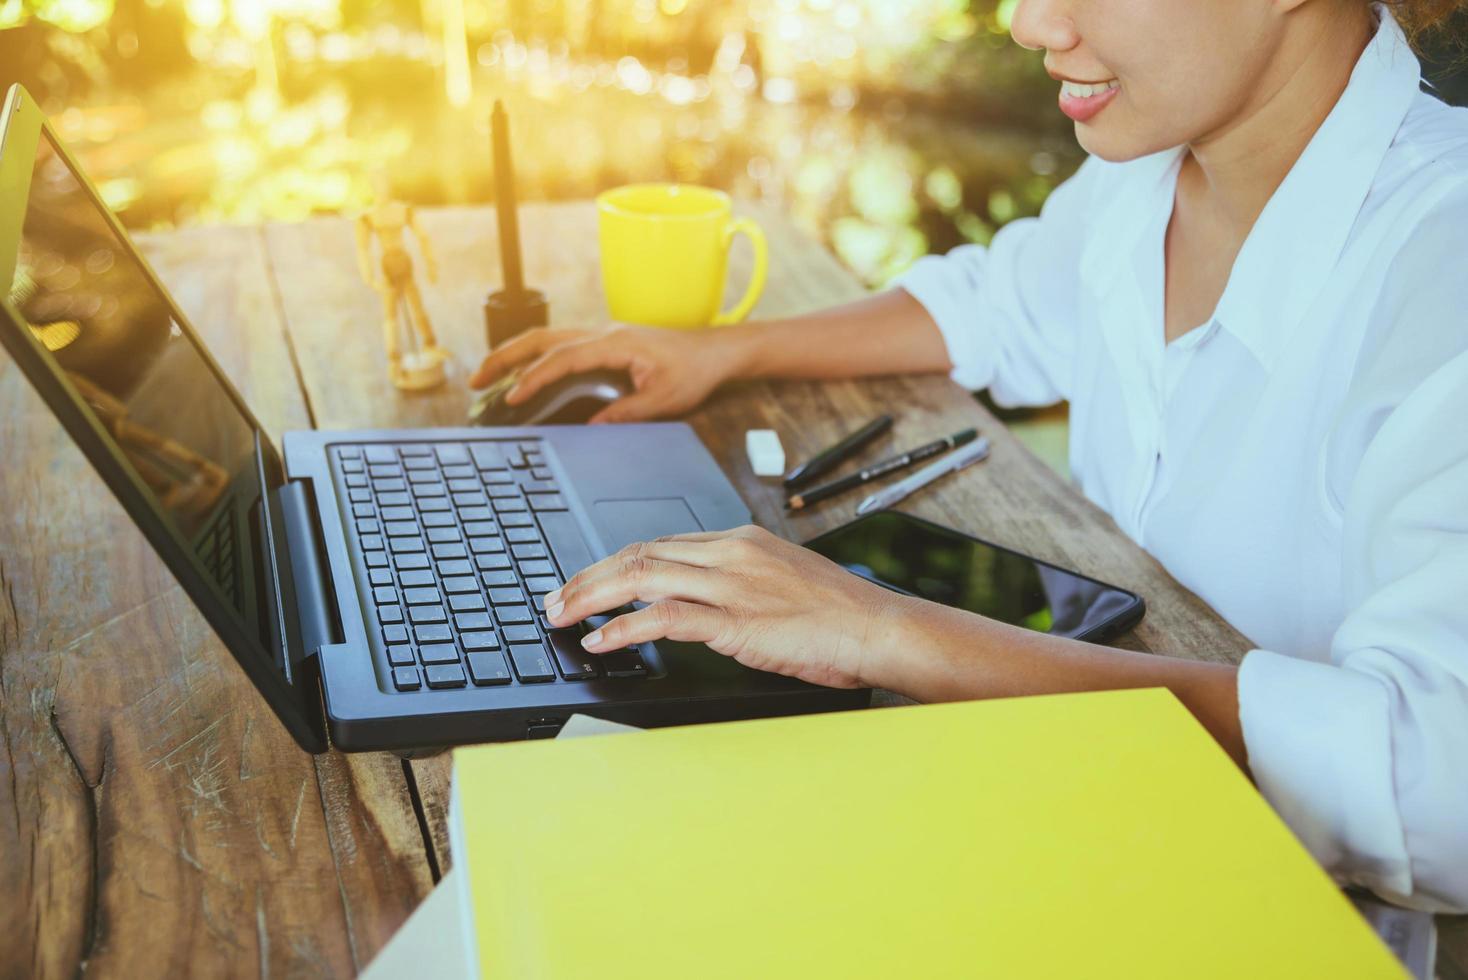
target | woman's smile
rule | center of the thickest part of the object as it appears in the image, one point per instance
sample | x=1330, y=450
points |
x=1081, y=101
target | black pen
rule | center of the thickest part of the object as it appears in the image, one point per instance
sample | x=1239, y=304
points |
x=878, y=470
x=828, y=458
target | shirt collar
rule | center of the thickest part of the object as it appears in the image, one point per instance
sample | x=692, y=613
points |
x=1295, y=244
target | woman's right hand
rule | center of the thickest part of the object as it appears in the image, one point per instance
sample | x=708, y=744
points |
x=672, y=371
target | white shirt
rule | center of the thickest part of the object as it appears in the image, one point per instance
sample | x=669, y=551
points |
x=1300, y=461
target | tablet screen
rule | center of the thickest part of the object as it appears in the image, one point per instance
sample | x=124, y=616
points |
x=920, y=558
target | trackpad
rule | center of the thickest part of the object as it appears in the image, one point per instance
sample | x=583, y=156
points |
x=625, y=521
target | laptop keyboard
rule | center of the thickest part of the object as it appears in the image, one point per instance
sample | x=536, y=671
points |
x=461, y=542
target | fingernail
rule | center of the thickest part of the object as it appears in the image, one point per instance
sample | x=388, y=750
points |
x=553, y=609
x=553, y=598
x=591, y=639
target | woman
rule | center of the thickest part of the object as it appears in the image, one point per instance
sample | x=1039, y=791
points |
x=1254, y=295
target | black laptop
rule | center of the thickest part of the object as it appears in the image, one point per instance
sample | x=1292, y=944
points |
x=382, y=589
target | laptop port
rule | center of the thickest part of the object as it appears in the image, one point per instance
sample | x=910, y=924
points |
x=544, y=727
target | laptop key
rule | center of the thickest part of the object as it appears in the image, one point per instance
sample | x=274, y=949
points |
x=439, y=653
x=415, y=578
x=401, y=655
x=379, y=576
x=395, y=634
x=566, y=542
x=473, y=621
x=500, y=578
x=438, y=519
x=517, y=519
x=421, y=597
x=461, y=472
x=522, y=535
x=429, y=505
x=384, y=595
x=375, y=559
x=427, y=614
x=514, y=614
x=547, y=501
x=402, y=545
x=575, y=663
x=418, y=463
x=405, y=678
x=521, y=634
x=486, y=456
x=443, y=535
x=623, y=663
x=392, y=499
x=380, y=454
x=469, y=602
x=488, y=667
x=369, y=527
x=497, y=475
x=416, y=449
x=475, y=499
x=506, y=505
x=435, y=489
x=371, y=542
x=460, y=584
x=389, y=485
x=480, y=640
x=432, y=633
x=397, y=513
x=490, y=563
x=453, y=567
x=390, y=614
x=410, y=561
x=532, y=663
x=540, y=584
x=349, y=452
x=472, y=514
x=384, y=472
x=536, y=569
x=454, y=550
x=507, y=597
x=401, y=529
x=445, y=675
x=486, y=546
x=480, y=529
x=363, y=510
x=450, y=453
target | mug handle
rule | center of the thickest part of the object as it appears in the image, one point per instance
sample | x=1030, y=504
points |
x=756, y=279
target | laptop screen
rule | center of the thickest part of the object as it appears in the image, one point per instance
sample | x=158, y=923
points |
x=88, y=301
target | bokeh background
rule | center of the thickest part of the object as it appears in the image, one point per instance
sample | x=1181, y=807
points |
x=886, y=128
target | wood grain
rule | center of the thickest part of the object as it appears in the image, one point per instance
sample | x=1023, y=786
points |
x=155, y=819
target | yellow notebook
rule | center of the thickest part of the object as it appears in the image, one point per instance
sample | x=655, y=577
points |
x=1095, y=835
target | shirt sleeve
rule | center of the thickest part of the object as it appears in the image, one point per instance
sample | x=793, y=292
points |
x=1366, y=757
x=1008, y=311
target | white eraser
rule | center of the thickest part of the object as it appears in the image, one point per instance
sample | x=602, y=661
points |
x=766, y=455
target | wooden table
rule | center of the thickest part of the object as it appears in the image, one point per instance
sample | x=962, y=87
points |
x=156, y=818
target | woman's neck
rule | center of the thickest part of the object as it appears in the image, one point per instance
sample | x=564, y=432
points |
x=1232, y=172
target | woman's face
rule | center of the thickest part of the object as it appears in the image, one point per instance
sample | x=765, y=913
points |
x=1140, y=76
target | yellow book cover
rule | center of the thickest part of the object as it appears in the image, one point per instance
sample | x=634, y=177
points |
x=1090, y=835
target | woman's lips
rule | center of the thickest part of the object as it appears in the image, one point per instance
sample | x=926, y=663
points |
x=1081, y=101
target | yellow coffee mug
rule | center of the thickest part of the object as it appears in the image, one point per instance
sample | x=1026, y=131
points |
x=665, y=255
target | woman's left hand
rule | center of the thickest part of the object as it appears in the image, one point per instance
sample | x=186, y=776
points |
x=748, y=594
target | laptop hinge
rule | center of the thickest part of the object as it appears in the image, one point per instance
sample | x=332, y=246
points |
x=317, y=623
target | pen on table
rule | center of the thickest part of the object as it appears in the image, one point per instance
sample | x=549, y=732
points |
x=951, y=463
x=881, y=469
x=829, y=457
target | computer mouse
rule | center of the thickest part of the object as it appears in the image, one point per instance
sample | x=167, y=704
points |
x=572, y=400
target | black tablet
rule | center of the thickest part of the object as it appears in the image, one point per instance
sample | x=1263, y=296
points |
x=917, y=557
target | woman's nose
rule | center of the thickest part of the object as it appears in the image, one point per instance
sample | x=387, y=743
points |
x=1046, y=24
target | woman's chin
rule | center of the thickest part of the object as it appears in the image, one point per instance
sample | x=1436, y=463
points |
x=1114, y=144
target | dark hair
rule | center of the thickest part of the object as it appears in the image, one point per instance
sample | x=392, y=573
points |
x=1420, y=18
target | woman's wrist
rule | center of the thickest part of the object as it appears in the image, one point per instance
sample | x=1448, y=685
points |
x=742, y=349
x=903, y=646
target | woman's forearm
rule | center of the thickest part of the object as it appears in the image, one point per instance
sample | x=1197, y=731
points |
x=945, y=654
x=886, y=333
